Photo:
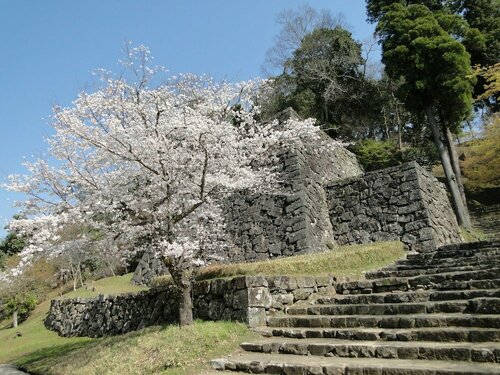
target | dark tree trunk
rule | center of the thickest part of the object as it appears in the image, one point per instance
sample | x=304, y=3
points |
x=460, y=212
x=456, y=167
x=186, y=304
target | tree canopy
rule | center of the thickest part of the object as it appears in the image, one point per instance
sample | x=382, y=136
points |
x=436, y=66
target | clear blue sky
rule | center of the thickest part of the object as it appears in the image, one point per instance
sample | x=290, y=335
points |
x=50, y=47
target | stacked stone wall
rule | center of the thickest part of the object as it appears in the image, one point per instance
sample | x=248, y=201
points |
x=293, y=221
x=400, y=203
x=248, y=299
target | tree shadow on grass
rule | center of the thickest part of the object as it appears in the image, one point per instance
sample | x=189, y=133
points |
x=38, y=362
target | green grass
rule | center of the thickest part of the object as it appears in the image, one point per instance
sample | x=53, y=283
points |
x=473, y=235
x=164, y=350
x=109, y=285
x=34, y=335
x=350, y=260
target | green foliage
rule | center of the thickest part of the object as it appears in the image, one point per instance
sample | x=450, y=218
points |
x=3, y=258
x=435, y=66
x=475, y=23
x=374, y=154
x=12, y=244
x=322, y=78
x=375, y=9
x=483, y=15
x=22, y=303
x=482, y=164
x=426, y=156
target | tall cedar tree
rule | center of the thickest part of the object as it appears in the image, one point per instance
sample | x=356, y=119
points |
x=436, y=68
x=482, y=16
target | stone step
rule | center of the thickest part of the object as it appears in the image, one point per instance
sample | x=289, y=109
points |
x=427, y=270
x=423, y=281
x=468, y=284
x=424, y=350
x=455, y=254
x=443, y=262
x=440, y=334
x=469, y=245
x=288, y=364
x=474, y=306
x=386, y=321
x=407, y=297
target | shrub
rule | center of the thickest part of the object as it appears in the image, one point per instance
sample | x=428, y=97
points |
x=374, y=154
x=426, y=156
x=22, y=303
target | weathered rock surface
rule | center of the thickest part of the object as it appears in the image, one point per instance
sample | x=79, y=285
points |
x=400, y=203
x=248, y=299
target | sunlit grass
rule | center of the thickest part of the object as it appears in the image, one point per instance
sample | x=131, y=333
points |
x=108, y=285
x=32, y=335
x=350, y=260
x=167, y=350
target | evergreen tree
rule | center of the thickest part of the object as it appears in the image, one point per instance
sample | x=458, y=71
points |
x=436, y=70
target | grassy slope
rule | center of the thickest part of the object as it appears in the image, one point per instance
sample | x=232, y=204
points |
x=350, y=260
x=164, y=350
x=156, y=350
x=36, y=337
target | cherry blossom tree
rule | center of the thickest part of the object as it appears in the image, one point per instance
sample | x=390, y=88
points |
x=144, y=165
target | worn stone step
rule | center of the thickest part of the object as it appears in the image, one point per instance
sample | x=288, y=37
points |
x=288, y=364
x=425, y=350
x=468, y=284
x=478, y=306
x=455, y=254
x=423, y=281
x=426, y=271
x=387, y=321
x=407, y=297
x=469, y=245
x=476, y=260
x=439, y=334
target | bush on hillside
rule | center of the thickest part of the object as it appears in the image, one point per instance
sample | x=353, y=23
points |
x=374, y=154
x=22, y=303
x=426, y=156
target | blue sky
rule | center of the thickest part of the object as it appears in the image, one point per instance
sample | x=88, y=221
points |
x=50, y=47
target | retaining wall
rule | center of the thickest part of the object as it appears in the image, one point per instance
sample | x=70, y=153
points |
x=400, y=203
x=249, y=299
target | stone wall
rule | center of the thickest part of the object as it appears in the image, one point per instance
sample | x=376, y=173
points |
x=249, y=299
x=111, y=315
x=400, y=203
x=293, y=221
x=149, y=267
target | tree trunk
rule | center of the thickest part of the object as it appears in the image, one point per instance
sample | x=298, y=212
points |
x=80, y=274
x=400, y=130
x=14, y=319
x=186, y=304
x=460, y=212
x=456, y=168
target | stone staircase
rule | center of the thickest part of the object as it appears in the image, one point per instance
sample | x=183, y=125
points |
x=431, y=313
